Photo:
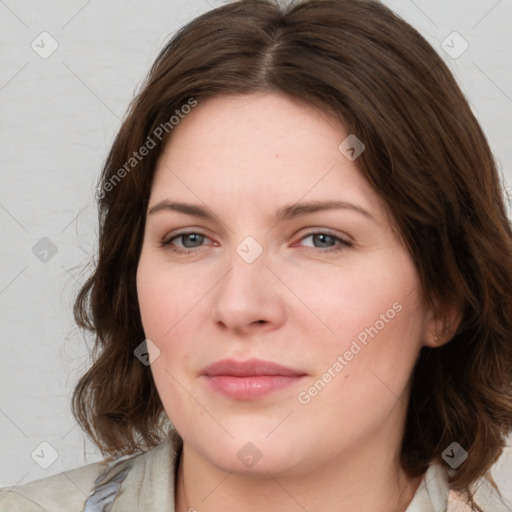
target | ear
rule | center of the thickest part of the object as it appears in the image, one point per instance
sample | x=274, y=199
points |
x=442, y=322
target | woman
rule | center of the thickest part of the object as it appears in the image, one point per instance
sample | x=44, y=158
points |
x=372, y=373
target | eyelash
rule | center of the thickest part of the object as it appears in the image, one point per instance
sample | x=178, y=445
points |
x=344, y=244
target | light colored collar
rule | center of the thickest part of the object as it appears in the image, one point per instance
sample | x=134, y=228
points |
x=146, y=485
x=432, y=493
x=142, y=483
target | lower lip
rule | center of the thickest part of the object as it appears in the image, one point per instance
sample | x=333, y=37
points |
x=250, y=388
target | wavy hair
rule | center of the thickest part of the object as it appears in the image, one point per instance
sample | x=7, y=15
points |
x=426, y=156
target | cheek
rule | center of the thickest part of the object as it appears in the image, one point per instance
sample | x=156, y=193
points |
x=153, y=302
x=164, y=298
x=170, y=307
x=376, y=322
x=163, y=312
x=352, y=302
x=363, y=370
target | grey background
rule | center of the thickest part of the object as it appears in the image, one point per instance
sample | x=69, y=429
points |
x=58, y=118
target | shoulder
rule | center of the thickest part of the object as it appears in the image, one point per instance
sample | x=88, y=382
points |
x=141, y=478
x=66, y=491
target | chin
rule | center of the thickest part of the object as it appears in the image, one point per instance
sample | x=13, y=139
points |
x=249, y=452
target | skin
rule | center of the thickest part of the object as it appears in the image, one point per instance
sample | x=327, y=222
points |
x=244, y=157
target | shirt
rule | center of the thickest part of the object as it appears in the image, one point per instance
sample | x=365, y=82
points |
x=145, y=482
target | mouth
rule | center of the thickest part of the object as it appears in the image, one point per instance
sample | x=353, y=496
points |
x=249, y=380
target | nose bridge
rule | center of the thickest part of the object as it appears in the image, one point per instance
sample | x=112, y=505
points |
x=244, y=295
x=250, y=250
x=248, y=262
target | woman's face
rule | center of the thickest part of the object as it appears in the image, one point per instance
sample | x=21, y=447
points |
x=341, y=309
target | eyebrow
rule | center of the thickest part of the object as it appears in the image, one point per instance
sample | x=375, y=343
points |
x=285, y=213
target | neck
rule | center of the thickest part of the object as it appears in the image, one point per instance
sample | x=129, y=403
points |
x=364, y=475
x=341, y=484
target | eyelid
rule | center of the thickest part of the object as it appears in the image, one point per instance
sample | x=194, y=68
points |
x=327, y=231
x=342, y=242
x=307, y=231
x=185, y=231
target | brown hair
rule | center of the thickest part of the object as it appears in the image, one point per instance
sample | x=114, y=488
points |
x=426, y=156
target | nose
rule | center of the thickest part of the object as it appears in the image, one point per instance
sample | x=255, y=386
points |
x=249, y=296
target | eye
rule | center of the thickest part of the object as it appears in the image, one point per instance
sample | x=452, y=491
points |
x=328, y=237
x=194, y=236
x=193, y=240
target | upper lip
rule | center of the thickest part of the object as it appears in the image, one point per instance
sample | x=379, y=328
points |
x=249, y=368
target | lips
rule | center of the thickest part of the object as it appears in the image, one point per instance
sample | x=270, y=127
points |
x=250, y=368
x=249, y=380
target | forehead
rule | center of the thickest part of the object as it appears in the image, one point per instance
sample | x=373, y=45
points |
x=258, y=147
x=262, y=123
